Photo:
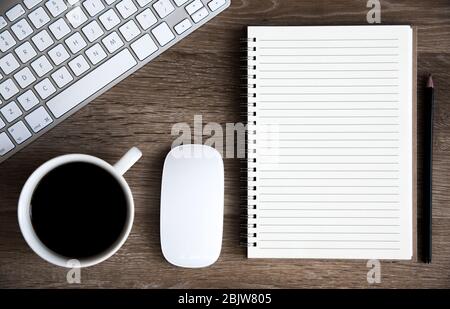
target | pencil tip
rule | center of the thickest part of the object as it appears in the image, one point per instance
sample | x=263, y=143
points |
x=430, y=83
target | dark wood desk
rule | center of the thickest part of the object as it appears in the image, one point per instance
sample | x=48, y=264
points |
x=201, y=76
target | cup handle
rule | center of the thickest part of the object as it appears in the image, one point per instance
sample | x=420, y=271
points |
x=128, y=160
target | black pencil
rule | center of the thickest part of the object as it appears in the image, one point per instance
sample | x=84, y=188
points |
x=428, y=170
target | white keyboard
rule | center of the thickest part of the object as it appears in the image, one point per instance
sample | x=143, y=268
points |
x=58, y=55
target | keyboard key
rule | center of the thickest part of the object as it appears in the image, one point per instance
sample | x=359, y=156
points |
x=9, y=64
x=38, y=119
x=93, y=31
x=96, y=54
x=22, y=29
x=59, y=29
x=214, y=5
x=2, y=124
x=11, y=112
x=76, y=17
x=72, y=2
x=112, y=42
x=183, y=26
x=194, y=6
x=109, y=19
x=42, y=40
x=126, y=8
x=144, y=47
x=163, y=8
x=15, y=12
x=129, y=30
x=146, y=19
x=24, y=77
x=45, y=88
x=8, y=89
x=56, y=7
x=31, y=3
x=19, y=132
x=200, y=15
x=76, y=43
x=39, y=18
x=91, y=83
x=62, y=77
x=110, y=1
x=180, y=2
x=28, y=100
x=25, y=52
x=79, y=65
x=163, y=34
x=41, y=66
x=3, y=22
x=93, y=7
x=6, y=41
x=5, y=144
x=58, y=54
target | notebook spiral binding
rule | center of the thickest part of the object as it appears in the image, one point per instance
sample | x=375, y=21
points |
x=249, y=196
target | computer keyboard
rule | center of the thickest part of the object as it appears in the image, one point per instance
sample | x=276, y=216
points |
x=58, y=55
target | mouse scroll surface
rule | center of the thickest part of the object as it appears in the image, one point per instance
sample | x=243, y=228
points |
x=192, y=195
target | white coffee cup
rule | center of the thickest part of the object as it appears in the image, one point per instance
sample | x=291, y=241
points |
x=117, y=170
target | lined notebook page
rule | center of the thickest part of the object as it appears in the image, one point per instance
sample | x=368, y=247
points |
x=332, y=142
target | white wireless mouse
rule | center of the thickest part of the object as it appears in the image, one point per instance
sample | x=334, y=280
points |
x=192, y=202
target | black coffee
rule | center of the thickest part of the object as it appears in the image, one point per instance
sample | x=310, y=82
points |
x=78, y=210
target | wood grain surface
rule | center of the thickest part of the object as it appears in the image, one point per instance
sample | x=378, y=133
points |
x=200, y=76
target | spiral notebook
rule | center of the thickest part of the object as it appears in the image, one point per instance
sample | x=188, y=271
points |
x=331, y=163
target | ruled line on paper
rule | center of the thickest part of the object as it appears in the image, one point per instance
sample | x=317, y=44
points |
x=331, y=62
x=325, y=186
x=330, y=163
x=331, y=140
x=305, y=132
x=321, y=155
x=330, y=147
x=328, y=209
x=332, y=109
x=330, y=93
x=334, y=232
x=327, y=248
x=333, y=124
x=328, y=39
x=329, y=171
x=321, y=140
x=327, y=86
x=387, y=202
x=328, y=78
x=299, y=224
x=330, y=101
x=329, y=55
x=329, y=70
x=322, y=193
x=329, y=178
x=326, y=217
x=332, y=240
x=339, y=116
x=328, y=47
